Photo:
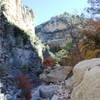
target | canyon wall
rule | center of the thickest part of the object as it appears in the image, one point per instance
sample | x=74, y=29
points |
x=18, y=43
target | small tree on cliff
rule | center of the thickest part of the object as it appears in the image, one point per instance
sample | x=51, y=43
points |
x=90, y=47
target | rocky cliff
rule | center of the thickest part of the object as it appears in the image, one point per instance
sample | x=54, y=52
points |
x=57, y=30
x=20, y=48
x=18, y=42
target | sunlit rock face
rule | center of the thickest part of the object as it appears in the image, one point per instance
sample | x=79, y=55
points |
x=57, y=30
x=19, y=46
x=86, y=80
x=18, y=14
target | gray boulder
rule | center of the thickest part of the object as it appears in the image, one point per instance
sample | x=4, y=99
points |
x=47, y=91
x=57, y=74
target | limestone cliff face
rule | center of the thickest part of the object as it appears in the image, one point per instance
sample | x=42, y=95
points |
x=57, y=29
x=86, y=80
x=19, y=45
x=18, y=14
x=20, y=48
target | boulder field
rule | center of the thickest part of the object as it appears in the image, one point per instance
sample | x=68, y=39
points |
x=84, y=84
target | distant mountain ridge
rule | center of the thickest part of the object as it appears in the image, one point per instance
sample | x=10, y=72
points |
x=57, y=29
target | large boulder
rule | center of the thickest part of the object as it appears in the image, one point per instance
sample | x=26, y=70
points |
x=47, y=91
x=51, y=92
x=56, y=74
x=44, y=91
x=86, y=80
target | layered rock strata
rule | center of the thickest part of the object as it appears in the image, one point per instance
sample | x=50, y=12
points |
x=62, y=29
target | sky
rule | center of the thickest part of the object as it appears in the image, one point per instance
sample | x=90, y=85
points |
x=45, y=9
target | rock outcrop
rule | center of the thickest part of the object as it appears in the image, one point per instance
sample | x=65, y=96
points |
x=20, y=48
x=19, y=45
x=57, y=30
x=86, y=80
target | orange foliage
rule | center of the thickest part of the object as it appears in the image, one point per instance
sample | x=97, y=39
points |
x=97, y=53
x=92, y=54
x=48, y=62
x=26, y=86
x=89, y=54
x=90, y=47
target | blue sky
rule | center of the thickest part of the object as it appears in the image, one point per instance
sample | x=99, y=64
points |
x=45, y=9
